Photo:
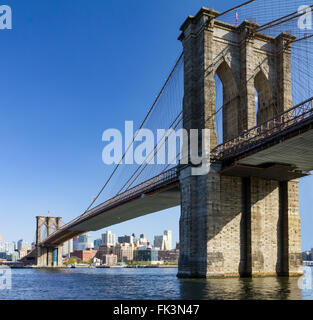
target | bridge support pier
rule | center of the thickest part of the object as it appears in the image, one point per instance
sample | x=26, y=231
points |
x=233, y=226
x=47, y=256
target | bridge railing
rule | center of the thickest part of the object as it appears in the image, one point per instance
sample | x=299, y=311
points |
x=154, y=183
x=258, y=134
x=163, y=179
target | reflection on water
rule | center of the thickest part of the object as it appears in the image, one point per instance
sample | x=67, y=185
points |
x=144, y=284
x=241, y=289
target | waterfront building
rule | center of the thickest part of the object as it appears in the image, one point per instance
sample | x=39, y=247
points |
x=168, y=255
x=84, y=255
x=109, y=259
x=109, y=238
x=124, y=252
x=3, y=256
x=96, y=261
x=164, y=242
x=12, y=257
x=146, y=253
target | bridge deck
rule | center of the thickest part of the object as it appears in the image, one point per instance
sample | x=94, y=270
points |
x=156, y=194
x=281, y=149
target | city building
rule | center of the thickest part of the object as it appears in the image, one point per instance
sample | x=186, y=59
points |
x=306, y=256
x=125, y=239
x=20, y=245
x=124, y=252
x=13, y=257
x=7, y=248
x=96, y=261
x=143, y=240
x=84, y=242
x=97, y=243
x=109, y=259
x=109, y=238
x=168, y=256
x=84, y=255
x=22, y=253
x=146, y=253
x=164, y=242
x=75, y=243
x=23, y=245
x=68, y=248
x=104, y=250
x=10, y=247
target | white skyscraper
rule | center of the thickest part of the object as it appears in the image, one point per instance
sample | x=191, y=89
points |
x=164, y=242
x=168, y=239
x=108, y=238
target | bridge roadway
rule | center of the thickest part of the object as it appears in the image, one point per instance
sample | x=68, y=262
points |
x=281, y=148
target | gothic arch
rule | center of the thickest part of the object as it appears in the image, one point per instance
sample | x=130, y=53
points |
x=230, y=100
x=264, y=90
x=43, y=231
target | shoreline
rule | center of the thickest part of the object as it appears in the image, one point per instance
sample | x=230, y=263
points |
x=101, y=267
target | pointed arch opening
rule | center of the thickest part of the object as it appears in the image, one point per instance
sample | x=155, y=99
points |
x=264, y=106
x=53, y=228
x=218, y=106
x=226, y=96
x=43, y=232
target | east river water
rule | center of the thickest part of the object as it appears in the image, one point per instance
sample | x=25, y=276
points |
x=119, y=283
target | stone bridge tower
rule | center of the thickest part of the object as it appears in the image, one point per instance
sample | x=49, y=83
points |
x=233, y=226
x=47, y=256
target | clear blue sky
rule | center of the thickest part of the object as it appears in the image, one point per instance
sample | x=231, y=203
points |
x=71, y=69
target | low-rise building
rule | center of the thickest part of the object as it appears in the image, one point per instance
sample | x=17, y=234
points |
x=104, y=250
x=146, y=254
x=168, y=255
x=109, y=259
x=96, y=261
x=84, y=255
x=124, y=252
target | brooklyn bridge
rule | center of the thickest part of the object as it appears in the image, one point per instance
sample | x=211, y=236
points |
x=249, y=83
